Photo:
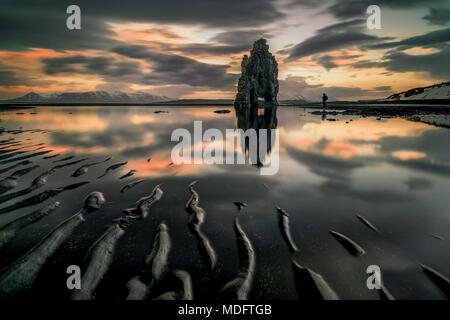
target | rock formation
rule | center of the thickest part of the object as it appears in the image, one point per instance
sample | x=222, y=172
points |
x=259, y=78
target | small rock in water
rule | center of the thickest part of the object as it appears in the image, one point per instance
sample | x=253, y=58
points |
x=222, y=111
x=437, y=237
x=348, y=243
x=366, y=222
x=160, y=111
x=240, y=205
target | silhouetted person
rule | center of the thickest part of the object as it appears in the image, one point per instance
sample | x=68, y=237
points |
x=324, y=100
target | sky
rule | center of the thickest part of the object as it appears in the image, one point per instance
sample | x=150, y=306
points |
x=193, y=49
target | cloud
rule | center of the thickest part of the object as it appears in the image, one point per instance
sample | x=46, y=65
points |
x=38, y=25
x=333, y=168
x=438, y=16
x=338, y=176
x=9, y=78
x=435, y=64
x=297, y=87
x=438, y=38
x=327, y=62
x=30, y=24
x=227, y=42
x=165, y=68
x=176, y=69
x=103, y=66
x=345, y=9
x=383, y=88
x=333, y=37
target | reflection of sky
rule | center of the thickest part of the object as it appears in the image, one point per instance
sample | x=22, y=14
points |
x=394, y=171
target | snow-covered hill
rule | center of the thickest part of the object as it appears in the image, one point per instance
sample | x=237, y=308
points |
x=437, y=91
x=89, y=97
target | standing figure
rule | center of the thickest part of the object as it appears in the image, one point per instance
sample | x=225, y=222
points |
x=324, y=100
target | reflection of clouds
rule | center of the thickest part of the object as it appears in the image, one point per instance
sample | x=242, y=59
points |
x=408, y=155
x=81, y=122
x=426, y=165
x=207, y=113
x=324, y=165
x=323, y=181
x=428, y=153
x=67, y=149
x=417, y=183
x=396, y=141
x=366, y=130
x=139, y=119
x=339, y=181
x=345, y=149
x=430, y=142
x=335, y=150
x=371, y=194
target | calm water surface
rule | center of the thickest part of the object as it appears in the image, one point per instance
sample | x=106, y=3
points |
x=393, y=171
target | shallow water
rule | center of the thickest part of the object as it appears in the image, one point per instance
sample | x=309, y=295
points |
x=394, y=172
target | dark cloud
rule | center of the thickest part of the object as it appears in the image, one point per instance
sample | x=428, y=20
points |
x=437, y=38
x=165, y=68
x=224, y=43
x=435, y=64
x=297, y=87
x=240, y=37
x=438, y=16
x=344, y=9
x=374, y=196
x=349, y=9
x=338, y=175
x=9, y=78
x=176, y=69
x=383, y=88
x=104, y=66
x=27, y=24
x=329, y=167
x=429, y=142
x=204, y=48
x=327, y=62
x=337, y=36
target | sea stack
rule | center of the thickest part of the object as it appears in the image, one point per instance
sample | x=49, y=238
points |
x=259, y=78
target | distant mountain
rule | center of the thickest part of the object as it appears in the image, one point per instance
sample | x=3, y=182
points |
x=200, y=102
x=89, y=97
x=435, y=92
